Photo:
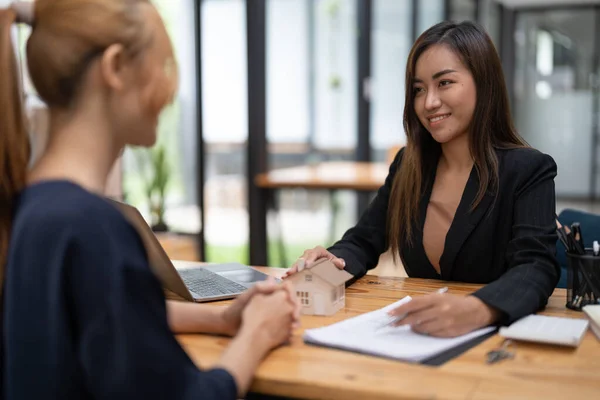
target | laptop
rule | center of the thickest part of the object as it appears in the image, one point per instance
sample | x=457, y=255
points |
x=190, y=280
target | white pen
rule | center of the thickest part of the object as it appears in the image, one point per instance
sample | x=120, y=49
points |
x=596, y=248
x=401, y=317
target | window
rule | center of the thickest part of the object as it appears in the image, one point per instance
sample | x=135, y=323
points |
x=225, y=127
x=335, y=74
x=391, y=44
x=463, y=10
x=489, y=16
x=430, y=13
x=311, y=85
x=311, y=50
x=176, y=134
x=21, y=33
x=304, y=298
x=288, y=71
x=35, y=110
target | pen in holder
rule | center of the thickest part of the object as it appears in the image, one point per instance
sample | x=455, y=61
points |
x=583, y=279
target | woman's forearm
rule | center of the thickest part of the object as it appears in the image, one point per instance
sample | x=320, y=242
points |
x=187, y=317
x=242, y=357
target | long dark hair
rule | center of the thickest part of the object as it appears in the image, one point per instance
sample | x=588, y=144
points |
x=490, y=128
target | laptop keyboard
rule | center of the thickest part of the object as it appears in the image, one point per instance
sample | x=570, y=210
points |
x=206, y=283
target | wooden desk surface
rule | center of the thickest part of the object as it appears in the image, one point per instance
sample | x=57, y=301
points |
x=351, y=175
x=303, y=371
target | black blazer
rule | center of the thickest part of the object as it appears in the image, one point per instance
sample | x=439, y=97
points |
x=507, y=242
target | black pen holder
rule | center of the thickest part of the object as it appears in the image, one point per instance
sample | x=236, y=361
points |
x=583, y=280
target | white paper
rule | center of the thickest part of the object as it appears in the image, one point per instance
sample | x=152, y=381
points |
x=368, y=334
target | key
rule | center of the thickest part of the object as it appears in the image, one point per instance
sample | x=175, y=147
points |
x=500, y=354
x=495, y=356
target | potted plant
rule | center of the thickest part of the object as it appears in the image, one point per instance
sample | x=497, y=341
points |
x=156, y=172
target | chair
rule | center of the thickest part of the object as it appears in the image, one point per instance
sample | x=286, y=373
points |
x=590, y=229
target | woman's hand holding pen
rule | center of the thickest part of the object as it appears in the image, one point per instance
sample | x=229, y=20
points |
x=445, y=315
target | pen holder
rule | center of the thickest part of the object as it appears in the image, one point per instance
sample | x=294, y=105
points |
x=583, y=280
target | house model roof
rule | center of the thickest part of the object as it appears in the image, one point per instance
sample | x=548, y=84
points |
x=330, y=273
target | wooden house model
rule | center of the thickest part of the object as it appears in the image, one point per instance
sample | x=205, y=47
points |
x=320, y=287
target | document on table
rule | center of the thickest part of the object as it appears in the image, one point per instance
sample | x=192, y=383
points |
x=369, y=334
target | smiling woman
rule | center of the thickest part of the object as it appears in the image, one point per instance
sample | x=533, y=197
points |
x=466, y=199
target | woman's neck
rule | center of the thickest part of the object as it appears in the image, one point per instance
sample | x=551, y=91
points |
x=456, y=154
x=81, y=149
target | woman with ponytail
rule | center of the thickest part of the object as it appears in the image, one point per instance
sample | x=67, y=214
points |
x=83, y=317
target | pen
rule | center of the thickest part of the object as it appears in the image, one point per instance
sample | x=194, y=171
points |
x=578, y=236
x=574, y=247
x=576, y=302
x=564, y=234
x=401, y=317
x=596, y=248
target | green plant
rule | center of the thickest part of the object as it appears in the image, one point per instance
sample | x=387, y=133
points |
x=335, y=82
x=333, y=8
x=156, y=171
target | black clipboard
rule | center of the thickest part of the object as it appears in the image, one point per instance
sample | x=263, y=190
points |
x=454, y=352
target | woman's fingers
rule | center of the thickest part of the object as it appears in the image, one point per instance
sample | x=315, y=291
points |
x=293, y=269
x=425, y=321
x=415, y=305
x=266, y=286
x=312, y=255
x=338, y=262
x=293, y=299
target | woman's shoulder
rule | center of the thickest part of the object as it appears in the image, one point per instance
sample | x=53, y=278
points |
x=525, y=166
x=60, y=206
x=524, y=159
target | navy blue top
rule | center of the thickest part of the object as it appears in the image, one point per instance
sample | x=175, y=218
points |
x=83, y=315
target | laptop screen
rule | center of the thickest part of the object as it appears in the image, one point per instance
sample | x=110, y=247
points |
x=158, y=259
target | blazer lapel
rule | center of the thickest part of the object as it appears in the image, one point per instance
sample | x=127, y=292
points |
x=418, y=250
x=463, y=223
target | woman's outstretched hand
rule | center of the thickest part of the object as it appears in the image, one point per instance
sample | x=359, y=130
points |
x=312, y=255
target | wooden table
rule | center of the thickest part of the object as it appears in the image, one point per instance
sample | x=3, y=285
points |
x=334, y=175
x=303, y=371
x=331, y=176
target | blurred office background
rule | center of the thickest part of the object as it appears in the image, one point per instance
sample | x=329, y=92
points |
x=268, y=84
